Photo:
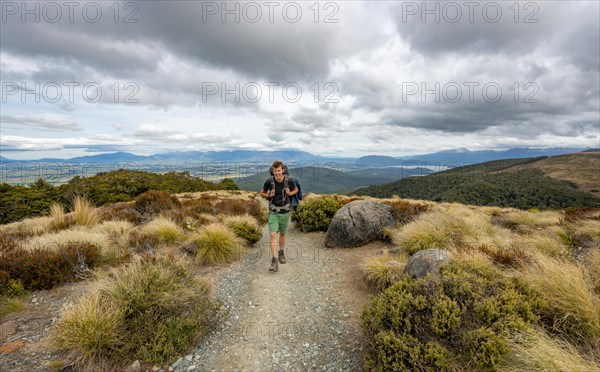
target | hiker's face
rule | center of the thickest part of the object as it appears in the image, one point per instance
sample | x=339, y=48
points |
x=278, y=172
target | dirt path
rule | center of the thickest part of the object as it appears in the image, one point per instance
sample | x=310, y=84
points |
x=304, y=317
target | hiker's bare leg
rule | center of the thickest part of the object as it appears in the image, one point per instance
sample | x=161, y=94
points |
x=274, y=244
x=281, y=240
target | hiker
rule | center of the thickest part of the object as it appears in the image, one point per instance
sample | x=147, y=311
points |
x=278, y=189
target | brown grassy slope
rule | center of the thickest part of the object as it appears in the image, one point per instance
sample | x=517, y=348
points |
x=582, y=168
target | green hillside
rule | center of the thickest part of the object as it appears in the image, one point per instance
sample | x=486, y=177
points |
x=505, y=183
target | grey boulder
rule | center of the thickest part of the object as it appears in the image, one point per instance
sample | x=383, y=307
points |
x=358, y=223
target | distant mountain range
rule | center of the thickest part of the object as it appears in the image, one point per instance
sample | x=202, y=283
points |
x=462, y=156
x=449, y=158
x=187, y=157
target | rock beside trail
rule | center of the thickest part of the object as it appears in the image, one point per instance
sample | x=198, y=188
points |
x=358, y=223
x=426, y=261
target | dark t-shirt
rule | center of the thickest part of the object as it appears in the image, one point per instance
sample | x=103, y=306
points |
x=278, y=199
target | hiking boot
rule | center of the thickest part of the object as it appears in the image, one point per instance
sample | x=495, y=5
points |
x=274, y=266
x=282, y=257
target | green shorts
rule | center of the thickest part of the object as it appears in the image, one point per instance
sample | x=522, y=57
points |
x=278, y=222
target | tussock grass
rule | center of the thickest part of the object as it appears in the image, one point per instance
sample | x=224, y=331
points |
x=441, y=230
x=536, y=351
x=11, y=305
x=60, y=220
x=84, y=213
x=572, y=304
x=589, y=229
x=27, y=228
x=117, y=233
x=91, y=328
x=382, y=271
x=164, y=229
x=57, y=240
x=549, y=243
x=150, y=310
x=530, y=219
x=216, y=243
x=593, y=268
x=244, y=219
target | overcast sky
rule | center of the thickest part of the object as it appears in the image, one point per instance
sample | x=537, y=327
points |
x=344, y=78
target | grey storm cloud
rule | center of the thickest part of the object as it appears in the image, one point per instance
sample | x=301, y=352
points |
x=49, y=122
x=281, y=49
x=493, y=27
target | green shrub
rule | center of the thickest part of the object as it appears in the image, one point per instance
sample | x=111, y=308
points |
x=12, y=288
x=152, y=310
x=429, y=323
x=316, y=214
x=247, y=232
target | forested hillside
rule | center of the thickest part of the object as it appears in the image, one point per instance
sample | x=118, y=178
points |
x=18, y=202
x=505, y=183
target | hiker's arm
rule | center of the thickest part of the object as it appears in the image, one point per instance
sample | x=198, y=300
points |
x=293, y=192
x=265, y=194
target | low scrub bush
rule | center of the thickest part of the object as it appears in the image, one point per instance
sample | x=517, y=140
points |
x=12, y=288
x=152, y=310
x=216, y=243
x=384, y=270
x=153, y=202
x=123, y=212
x=316, y=214
x=405, y=211
x=46, y=268
x=461, y=318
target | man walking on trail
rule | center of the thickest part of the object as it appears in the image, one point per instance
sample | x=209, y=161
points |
x=278, y=190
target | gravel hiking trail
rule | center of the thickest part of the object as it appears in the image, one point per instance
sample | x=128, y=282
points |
x=305, y=317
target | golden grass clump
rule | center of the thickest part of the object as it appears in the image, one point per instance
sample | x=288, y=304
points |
x=537, y=351
x=593, y=268
x=117, y=234
x=529, y=220
x=216, y=243
x=91, y=328
x=28, y=227
x=84, y=213
x=151, y=310
x=57, y=240
x=548, y=242
x=440, y=230
x=60, y=220
x=243, y=219
x=572, y=304
x=382, y=271
x=164, y=229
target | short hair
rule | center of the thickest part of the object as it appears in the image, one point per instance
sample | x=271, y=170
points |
x=277, y=164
